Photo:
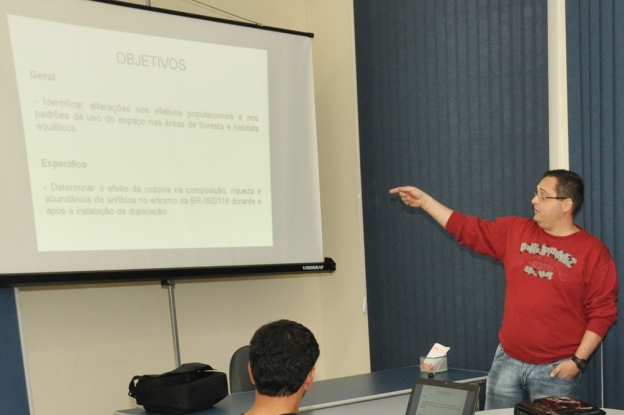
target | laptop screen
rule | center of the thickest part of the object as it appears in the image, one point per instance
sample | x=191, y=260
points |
x=437, y=397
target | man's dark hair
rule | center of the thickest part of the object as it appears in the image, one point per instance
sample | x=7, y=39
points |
x=281, y=355
x=569, y=184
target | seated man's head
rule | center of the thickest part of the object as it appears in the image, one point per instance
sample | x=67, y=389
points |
x=282, y=355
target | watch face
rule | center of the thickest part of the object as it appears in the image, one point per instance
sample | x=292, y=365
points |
x=580, y=363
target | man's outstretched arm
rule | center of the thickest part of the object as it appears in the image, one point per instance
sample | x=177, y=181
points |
x=414, y=197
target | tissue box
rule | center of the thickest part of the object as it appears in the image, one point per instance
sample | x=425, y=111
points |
x=439, y=364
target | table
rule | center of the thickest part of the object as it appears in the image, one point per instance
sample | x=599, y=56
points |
x=385, y=387
x=509, y=411
x=396, y=405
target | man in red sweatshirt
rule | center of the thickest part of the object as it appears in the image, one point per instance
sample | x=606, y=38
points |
x=561, y=288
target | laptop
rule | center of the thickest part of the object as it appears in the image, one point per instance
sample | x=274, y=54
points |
x=439, y=397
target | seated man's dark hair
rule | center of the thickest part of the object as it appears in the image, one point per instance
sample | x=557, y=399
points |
x=281, y=355
x=569, y=184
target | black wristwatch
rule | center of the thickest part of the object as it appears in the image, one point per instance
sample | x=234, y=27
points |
x=580, y=363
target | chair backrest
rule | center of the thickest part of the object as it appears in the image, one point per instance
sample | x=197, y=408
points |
x=239, y=376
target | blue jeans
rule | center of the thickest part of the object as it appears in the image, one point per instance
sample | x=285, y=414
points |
x=511, y=381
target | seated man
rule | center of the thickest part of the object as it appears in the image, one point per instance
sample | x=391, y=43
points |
x=282, y=356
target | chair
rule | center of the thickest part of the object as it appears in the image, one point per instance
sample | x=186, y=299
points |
x=239, y=376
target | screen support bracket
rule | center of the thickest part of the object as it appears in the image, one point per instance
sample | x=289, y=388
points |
x=170, y=284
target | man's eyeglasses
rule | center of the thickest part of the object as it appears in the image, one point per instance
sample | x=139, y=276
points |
x=542, y=197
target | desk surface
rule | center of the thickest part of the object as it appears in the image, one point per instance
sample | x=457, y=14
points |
x=509, y=411
x=341, y=391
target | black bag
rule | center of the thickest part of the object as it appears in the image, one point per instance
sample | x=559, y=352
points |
x=557, y=405
x=189, y=388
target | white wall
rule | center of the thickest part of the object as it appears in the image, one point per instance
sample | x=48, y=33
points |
x=84, y=343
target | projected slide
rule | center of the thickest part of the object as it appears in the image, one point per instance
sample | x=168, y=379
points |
x=142, y=142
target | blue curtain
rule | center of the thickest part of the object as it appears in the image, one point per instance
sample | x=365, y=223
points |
x=13, y=395
x=453, y=98
x=595, y=50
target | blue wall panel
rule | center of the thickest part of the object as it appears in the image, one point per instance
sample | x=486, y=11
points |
x=595, y=50
x=13, y=395
x=453, y=98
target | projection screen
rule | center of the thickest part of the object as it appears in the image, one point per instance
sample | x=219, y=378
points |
x=139, y=143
